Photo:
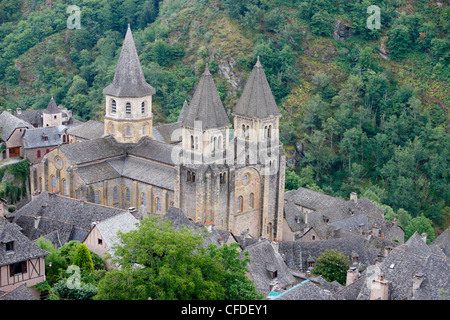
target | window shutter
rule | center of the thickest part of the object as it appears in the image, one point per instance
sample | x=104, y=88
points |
x=11, y=270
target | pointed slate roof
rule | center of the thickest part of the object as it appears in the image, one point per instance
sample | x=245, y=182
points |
x=52, y=108
x=206, y=106
x=129, y=80
x=257, y=100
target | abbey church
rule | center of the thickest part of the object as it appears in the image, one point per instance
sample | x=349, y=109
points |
x=216, y=172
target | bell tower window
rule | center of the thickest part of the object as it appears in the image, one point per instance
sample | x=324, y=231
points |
x=113, y=106
x=143, y=107
x=128, y=109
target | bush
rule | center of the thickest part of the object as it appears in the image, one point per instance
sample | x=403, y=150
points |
x=83, y=291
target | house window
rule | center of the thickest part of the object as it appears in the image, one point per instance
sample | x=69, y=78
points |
x=45, y=138
x=239, y=204
x=128, y=195
x=17, y=268
x=144, y=199
x=355, y=259
x=47, y=151
x=100, y=241
x=158, y=204
x=113, y=106
x=115, y=194
x=38, y=153
x=128, y=109
x=96, y=197
x=310, y=264
x=251, y=200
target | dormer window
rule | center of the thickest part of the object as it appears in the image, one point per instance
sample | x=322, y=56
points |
x=9, y=247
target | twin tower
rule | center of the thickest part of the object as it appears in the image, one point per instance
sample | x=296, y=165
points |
x=229, y=175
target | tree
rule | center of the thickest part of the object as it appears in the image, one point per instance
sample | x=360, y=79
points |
x=322, y=24
x=161, y=262
x=332, y=265
x=292, y=180
x=420, y=224
x=83, y=259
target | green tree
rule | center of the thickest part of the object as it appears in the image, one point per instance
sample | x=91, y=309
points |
x=292, y=180
x=161, y=262
x=83, y=259
x=322, y=23
x=420, y=224
x=332, y=265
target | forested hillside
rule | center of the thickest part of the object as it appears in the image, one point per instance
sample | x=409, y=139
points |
x=363, y=109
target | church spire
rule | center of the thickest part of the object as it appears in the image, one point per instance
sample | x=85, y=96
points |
x=206, y=105
x=257, y=101
x=129, y=80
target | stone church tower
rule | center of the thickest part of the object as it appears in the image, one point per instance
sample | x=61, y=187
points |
x=237, y=184
x=128, y=98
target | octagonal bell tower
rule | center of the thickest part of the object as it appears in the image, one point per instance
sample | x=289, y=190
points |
x=128, y=98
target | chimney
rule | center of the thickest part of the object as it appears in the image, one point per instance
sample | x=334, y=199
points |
x=19, y=110
x=305, y=215
x=387, y=250
x=352, y=276
x=354, y=196
x=36, y=221
x=379, y=289
x=424, y=237
x=417, y=281
x=376, y=230
x=275, y=245
x=308, y=274
x=51, y=195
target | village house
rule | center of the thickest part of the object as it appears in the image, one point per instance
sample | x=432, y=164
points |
x=21, y=261
x=38, y=142
x=86, y=131
x=12, y=129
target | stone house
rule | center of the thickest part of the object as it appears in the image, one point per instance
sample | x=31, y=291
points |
x=38, y=142
x=12, y=129
x=21, y=261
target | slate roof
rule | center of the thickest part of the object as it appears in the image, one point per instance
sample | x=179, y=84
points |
x=22, y=292
x=97, y=172
x=129, y=80
x=257, y=100
x=206, y=106
x=443, y=241
x=306, y=290
x=34, y=138
x=92, y=150
x=52, y=108
x=61, y=219
x=108, y=228
x=89, y=130
x=164, y=132
x=33, y=117
x=297, y=253
x=149, y=172
x=263, y=259
x=310, y=199
x=23, y=248
x=152, y=149
x=9, y=123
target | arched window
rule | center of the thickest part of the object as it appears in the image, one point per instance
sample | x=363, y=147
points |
x=158, y=204
x=239, y=204
x=219, y=144
x=196, y=143
x=269, y=131
x=128, y=194
x=192, y=142
x=115, y=194
x=144, y=199
x=143, y=130
x=251, y=200
x=53, y=178
x=97, y=197
x=143, y=107
x=113, y=106
x=128, y=109
x=64, y=188
x=128, y=131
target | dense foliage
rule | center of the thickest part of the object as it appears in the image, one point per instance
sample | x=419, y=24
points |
x=332, y=265
x=370, y=108
x=160, y=262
